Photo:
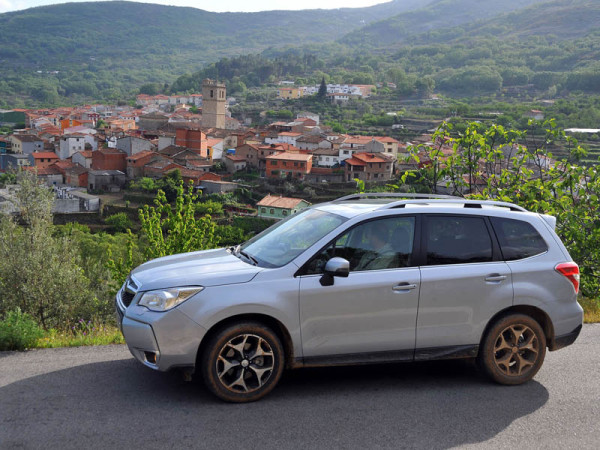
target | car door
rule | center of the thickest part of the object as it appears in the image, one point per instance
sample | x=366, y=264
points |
x=371, y=314
x=464, y=282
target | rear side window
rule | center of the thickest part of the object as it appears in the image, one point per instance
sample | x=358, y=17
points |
x=457, y=240
x=518, y=239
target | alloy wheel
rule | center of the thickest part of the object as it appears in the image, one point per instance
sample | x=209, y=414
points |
x=516, y=350
x=245, y=363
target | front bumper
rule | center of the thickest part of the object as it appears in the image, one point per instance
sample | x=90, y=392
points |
x=159, y=340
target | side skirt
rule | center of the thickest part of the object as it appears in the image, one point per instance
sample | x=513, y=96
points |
x=425, y=354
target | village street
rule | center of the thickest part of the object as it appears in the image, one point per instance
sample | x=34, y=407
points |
x=100, y=397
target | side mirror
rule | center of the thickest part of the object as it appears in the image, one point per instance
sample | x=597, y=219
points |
x=335, y=267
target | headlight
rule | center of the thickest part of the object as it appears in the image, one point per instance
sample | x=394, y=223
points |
x=165, y=299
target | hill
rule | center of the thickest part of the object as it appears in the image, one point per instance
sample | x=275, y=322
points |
x=146, y=34
x=438, y=15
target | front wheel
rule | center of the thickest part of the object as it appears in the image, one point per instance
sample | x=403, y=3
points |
x=513, y=350
x=243, y=362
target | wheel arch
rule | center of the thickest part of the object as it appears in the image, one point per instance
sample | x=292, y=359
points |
x=535, y=313
x=280, y=330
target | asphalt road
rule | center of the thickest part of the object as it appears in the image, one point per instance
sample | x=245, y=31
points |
x=100, y=397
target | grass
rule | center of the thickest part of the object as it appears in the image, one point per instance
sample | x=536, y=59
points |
x=96, y=335
x=591, y=309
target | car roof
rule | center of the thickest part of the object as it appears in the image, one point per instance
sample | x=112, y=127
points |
x=362, y=204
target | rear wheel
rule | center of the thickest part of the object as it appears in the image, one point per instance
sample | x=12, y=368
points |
x=243, y=362
x=513, y=349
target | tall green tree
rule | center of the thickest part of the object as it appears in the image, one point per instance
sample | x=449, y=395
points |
x=40, y=273
x=322, y=94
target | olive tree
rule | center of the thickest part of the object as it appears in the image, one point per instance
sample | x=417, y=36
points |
x=40, y=273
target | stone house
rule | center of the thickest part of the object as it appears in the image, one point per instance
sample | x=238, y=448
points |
x=369, y=167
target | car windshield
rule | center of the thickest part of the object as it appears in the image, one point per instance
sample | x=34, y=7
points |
x=282, y=242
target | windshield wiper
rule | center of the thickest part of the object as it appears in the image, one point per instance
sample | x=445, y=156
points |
x=249, y=257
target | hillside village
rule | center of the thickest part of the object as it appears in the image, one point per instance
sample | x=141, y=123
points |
x=100, y=148
x=96, y=149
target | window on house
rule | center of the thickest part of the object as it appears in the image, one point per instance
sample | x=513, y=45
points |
x=271, y=211
x=273, y=163
x=263, y=210
x=211, y=93
x=284, y=212
x=284, y=164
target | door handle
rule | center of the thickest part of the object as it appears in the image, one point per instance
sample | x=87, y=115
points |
x=495, y=278
x=404, y=287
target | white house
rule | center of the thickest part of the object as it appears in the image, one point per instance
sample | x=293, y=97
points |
x=73, y=143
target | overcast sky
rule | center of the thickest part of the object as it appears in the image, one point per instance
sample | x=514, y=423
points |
x=221, y=5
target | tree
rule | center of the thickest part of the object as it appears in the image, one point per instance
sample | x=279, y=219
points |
x=322, y=94
x=168, y=230
x=40, y=273
x=118, y=222
x=518, y=167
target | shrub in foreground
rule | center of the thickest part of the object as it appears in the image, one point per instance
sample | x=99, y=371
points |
x=19, y=331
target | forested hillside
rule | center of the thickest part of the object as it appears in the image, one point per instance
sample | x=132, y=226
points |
x=107, y=51
x=438, y=15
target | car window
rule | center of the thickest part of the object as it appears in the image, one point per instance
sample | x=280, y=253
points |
x=518, y=239
x=457, y=240
x=284, y=241
x=372, y=245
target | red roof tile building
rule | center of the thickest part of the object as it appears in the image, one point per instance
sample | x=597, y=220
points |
x=288, y=165
x=42, y=160
x=368, y=167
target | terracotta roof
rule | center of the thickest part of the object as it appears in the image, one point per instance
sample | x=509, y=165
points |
x=140, y=155
x=76, y=170
x=52, y=170
x=26, y=137
x=188, y=173
x=386, y=139
x=326, y=152
x=213, y=141
x=235, y=158
x=44, y=155
x=172, y=150
x=280, y=202
x=370, y=157
x=355, y=162
x=290, y=156
x=85, y=153
x=199, y=163
x=311, y=139
x=289, y=133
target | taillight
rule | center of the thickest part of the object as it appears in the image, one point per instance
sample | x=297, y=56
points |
x=571, y=271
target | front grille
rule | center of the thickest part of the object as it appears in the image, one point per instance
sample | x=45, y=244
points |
x=128, y=292
x=126, y=298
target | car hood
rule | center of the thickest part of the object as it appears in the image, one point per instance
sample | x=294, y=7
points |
x=203, y=268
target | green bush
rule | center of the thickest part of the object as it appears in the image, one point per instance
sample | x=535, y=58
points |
x=18, y=331
x=209, y=207
x=119, y=222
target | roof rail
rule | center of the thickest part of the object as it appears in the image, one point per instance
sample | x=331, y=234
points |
x=366, y=195
x=455, y=200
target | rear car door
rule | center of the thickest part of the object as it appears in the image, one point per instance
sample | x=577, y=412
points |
x=464, y=282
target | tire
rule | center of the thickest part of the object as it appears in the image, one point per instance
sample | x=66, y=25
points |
x=242, y=362
x=513, y=350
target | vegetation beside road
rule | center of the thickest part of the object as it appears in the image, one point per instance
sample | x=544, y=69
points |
x=58, y=282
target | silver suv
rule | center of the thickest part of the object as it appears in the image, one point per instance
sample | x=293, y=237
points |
x=367, y=278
